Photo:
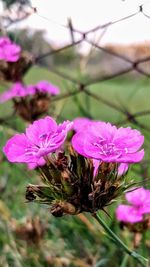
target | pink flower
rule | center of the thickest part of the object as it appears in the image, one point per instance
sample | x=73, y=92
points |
x=9, y=51
x=139, y=200
x=42, y=137
x=4, y=40
x=138, y=196
x=128, y=214
x=104, y=142
x=17, y=90
x=46, y=87
x=20, y=90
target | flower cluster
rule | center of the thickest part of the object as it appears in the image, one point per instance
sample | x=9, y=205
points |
x=9, y=51
x=85, y=176
x=30, y=101
x=19, y=90
x=139, y=200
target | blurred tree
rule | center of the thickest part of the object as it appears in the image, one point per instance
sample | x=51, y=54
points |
x=8, y=3
x=67, y=56
x=33, y=42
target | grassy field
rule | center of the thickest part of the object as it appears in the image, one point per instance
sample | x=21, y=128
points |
x=69, y=241
x=126, y=91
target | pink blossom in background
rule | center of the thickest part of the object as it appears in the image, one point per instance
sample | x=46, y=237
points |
x=139, y=200
x=21, y=90
x=9, y=51
x=128, y=214
x=17, y=90
x=46, y=87
x=138, y=196
x=30, y=90
x=42, y=137
x=104, y=142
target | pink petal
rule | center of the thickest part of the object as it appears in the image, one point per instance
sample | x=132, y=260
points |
x=96, y=164
x=79, y=124
x=132, y=158
x=137, y=196
x=37, y=131
x=78, y=143
x=125, y=213
x=46, y=87
x=33, y=165
x=16, y=149
x=123, y=167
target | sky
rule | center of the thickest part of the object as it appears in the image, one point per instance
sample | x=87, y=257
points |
x=52, y=16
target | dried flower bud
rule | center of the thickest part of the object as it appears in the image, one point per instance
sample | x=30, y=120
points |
x=14, y=71
x=32, y=230
x=75, y=189
x=32, y=101
x=59, y=208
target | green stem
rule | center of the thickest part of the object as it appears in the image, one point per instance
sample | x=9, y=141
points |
x=118, y=241
x=125, y=261
x=143, y=244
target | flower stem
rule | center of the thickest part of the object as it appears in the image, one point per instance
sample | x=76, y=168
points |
x=143, y=261
x=125, y=261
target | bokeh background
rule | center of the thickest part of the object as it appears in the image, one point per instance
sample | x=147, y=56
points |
x=98, y=54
